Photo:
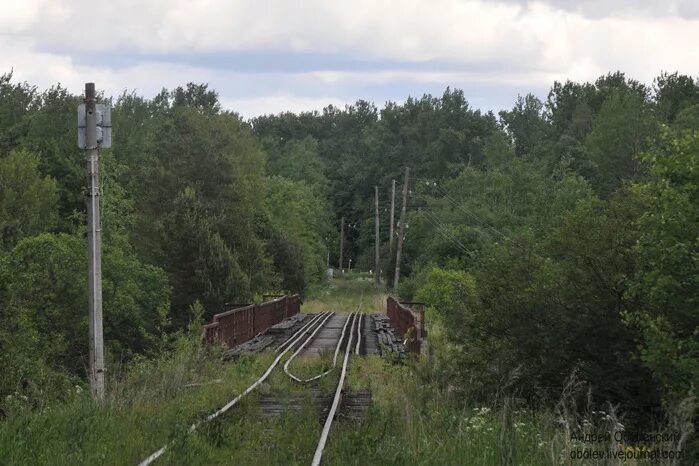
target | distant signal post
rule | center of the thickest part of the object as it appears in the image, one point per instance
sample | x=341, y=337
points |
x=94, y=133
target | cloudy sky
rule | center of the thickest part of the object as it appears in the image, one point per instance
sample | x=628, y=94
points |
x=266, y=56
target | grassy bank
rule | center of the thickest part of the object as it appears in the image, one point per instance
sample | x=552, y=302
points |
x=412, y=420
x=147, y=405
x=346, y=294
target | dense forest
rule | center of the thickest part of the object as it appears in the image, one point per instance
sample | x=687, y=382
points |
x=555, y=240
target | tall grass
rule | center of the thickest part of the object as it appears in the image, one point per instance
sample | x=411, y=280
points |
x=345, y=295
x=153, y=402
x=414, y=422
x=417, y=417
x=148, y=404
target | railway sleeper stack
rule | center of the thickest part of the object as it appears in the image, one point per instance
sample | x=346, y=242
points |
x=271, y=338
x=379, y=337
x=389, y=342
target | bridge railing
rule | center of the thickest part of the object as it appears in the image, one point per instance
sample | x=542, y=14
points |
x=408, y=318
x=241, y=322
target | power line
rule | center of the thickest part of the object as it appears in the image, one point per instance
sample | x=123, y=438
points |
x=471, y=214
x=444, y=231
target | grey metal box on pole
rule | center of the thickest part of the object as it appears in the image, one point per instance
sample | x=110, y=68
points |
x=103, y=122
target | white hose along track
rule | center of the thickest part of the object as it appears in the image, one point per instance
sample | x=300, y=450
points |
x=359, y=325
x=292, y=337
x=296, y=337
x=337, y=352
x=338, y=392
x=359, y=334
x=337, y=348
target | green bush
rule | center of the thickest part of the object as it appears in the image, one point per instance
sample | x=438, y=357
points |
x=450, y=295
x=667, y=265
x=43, y=317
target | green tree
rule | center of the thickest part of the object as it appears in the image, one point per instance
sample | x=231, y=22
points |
x=299, y=220
x=201, y=199
x=15, y=100
x=44, y=300
x=28, y=201
x=51, y=135
x=556, y=304
x=300, y=161
x=667, y=276
x=674, y=93
x=450, y=294
x=687, y=119
x=525, y=123
x=197, y=96
x=199, y=263
x=618, y=136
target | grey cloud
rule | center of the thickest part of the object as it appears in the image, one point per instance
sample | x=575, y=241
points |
x=597, y=9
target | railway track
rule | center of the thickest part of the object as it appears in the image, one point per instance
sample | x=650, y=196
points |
x=356, y=318
x=349, y=339
x=334, y=365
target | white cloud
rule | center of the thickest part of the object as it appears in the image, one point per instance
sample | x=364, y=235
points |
x=625, y=8
x=387, y=76
x=273, y=104
x=469, y=32
x=509, y=43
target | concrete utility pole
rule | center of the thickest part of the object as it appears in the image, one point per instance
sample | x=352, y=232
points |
x=94, y=240
x=402, y=229
x=377, y=275
x=342, y=240
x=390, y=226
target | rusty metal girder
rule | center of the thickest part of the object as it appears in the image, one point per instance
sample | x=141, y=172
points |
x=240, y=323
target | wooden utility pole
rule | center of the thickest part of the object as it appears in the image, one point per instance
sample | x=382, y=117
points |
x=94, y=240
x=402, y=228
x=390, y=226
x=377, y=275
x=342, y=240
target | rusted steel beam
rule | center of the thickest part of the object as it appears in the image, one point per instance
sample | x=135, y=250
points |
x=408, y=321
x=241, y=322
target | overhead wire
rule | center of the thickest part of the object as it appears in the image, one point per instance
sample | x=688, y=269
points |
x=483, y=223
x=443, y=230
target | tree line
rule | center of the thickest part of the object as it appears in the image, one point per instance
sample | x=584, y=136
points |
x=558, y=238
x=555, y=238
x=192, y=218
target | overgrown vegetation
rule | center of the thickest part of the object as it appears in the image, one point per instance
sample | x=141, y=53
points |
x=556, y=238
x=409, y=422
x=190, y=214
x=412, y=420
x=559, y=238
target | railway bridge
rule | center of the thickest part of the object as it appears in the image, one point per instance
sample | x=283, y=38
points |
x=331, y=337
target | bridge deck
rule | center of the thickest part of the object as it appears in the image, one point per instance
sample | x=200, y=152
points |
x=326, y=340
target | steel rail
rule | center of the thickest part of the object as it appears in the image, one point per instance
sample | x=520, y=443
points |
x=281, y=347
x=323, y=374
x=336, y=401
x=359, y=326
x=359, y=333
x=303, y=345
x=295, y=339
